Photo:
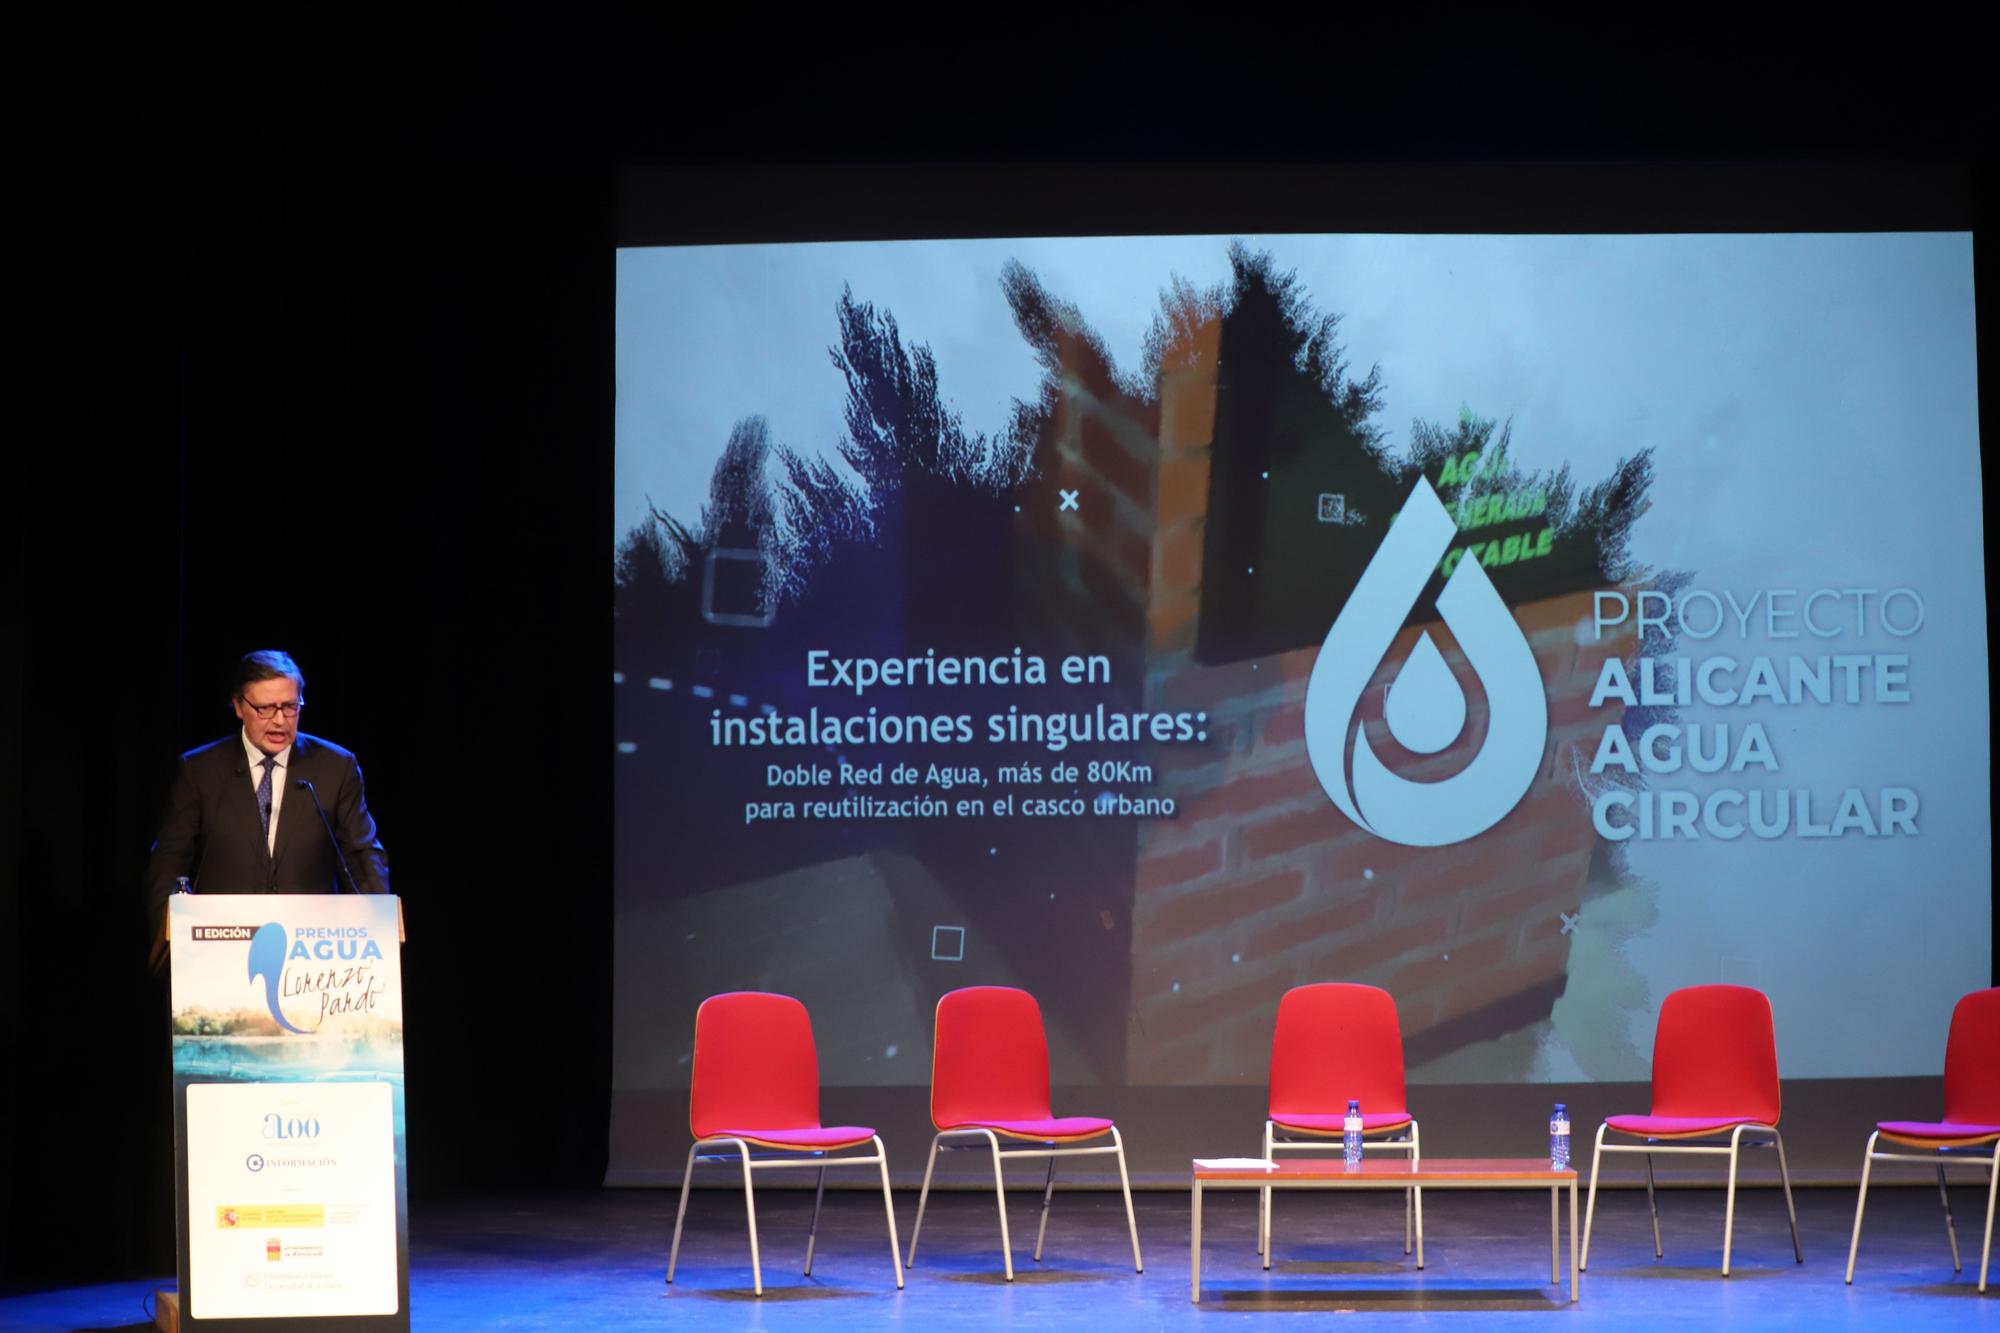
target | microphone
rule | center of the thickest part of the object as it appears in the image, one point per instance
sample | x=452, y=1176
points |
x=332, y=841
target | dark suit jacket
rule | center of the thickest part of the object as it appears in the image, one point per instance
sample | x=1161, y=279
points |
x=213, y=835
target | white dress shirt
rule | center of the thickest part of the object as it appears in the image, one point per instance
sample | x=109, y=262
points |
x=278, y=783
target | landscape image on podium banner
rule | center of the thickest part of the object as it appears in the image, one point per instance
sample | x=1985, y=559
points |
x=1528, y=625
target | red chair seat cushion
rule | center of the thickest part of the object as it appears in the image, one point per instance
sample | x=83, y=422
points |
x=1372, y=1122
x=1054, y=1127
x=806, y=1138
x=1677, y=1126
x=1938, y=1131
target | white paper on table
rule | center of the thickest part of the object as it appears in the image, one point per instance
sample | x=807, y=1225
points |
x=1235, y=1164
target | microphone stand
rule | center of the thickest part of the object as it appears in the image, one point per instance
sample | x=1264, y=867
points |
x=339, y=857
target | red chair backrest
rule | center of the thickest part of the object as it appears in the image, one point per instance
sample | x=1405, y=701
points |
x=754, y=1065
x=1334, y=1042
x=1715, y=1054
x=990, y=1059
x=1972, y=1060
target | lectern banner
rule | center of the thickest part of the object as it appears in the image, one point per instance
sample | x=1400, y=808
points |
x=288, y=1100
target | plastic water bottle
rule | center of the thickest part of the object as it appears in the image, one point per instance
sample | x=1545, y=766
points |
x=1559, y=1139
x=1350, y=1135
x=182, y=884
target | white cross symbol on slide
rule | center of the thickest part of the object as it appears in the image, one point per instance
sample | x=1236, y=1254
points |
x=1569, y=920
x=1068, y=501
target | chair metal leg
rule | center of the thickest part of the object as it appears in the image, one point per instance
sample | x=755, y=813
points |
x=750, y=1211
x=1653, y=1207
x=1131, y=1219
x=1729, y=1198
x=1048, y=1193
x=1574, y=1267
x=1950, y=1231
x=923, y=1197
x=812, y=1228
x=1264, y=1205
x=889, y=1208
x=1785, y=1176
x=1417, y=1193
x=1992, y=1192
x=1000, y=1193
x=1861, y=1204
x=674, y=1254
x=1590, y=1208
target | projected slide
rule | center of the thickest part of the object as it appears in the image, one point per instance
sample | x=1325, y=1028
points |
x=1528, y=625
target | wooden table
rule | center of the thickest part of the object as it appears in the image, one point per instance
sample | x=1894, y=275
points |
x=1451, y=1173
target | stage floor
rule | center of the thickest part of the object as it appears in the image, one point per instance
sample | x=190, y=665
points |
x=598, y=1260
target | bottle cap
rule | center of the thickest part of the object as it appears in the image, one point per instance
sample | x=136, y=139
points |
x=1560, y=1106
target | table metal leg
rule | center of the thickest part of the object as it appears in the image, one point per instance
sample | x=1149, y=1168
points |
x=1194, y=1248
x=1555, y=1232
x=1419, y=1209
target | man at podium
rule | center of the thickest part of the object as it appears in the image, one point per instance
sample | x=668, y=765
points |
x=268, y=809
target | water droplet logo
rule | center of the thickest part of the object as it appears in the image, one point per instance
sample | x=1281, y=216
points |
x=1425, y=710
x=267, y=960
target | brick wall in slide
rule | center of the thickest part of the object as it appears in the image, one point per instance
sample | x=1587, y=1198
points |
x=1260, y=883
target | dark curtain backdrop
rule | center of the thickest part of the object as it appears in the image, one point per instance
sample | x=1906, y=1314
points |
x=304, y=373
x=313, y=318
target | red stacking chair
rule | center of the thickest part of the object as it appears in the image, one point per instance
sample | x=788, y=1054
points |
x=989, y=1082
x=1970, y=1130
x=1336, y=1042
x=756, y=1084
x=1715, y=1072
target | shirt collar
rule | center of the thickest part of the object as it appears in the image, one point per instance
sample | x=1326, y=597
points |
x=256, y=756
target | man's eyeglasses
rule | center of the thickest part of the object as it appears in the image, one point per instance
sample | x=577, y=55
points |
x=289, y=708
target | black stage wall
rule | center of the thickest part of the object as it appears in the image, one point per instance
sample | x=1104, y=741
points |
x=317, y=322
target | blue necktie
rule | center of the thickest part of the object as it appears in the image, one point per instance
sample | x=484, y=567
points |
x=264, y=795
